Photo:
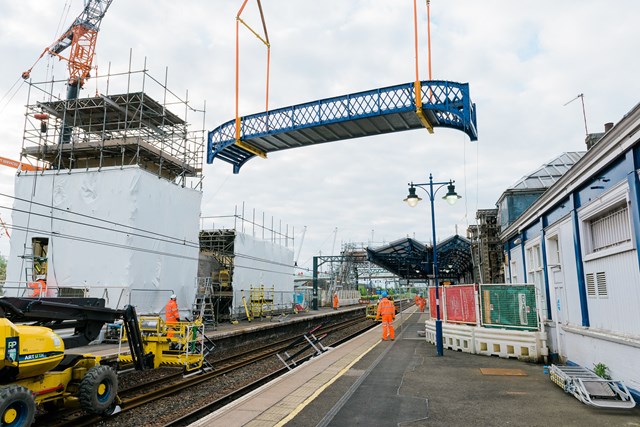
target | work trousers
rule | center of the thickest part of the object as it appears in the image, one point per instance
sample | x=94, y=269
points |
x=387, y=327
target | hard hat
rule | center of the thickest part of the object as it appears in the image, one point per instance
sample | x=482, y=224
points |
x=40, y=277
x=173, y=296
x=384, y=294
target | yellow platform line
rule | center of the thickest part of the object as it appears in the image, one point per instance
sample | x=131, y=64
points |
x=311, y=398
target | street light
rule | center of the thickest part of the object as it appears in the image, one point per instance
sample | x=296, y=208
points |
x=412, y=200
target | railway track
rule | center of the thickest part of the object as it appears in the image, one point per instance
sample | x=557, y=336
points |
x=157, y=389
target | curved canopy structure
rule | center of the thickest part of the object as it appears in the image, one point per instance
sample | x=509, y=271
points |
x=374, y=112
x=410, y=259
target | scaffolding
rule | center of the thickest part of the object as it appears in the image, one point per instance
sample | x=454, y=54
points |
x=485, y=247
x=114, y=129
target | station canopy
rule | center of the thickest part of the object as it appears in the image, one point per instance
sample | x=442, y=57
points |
x=412, y=260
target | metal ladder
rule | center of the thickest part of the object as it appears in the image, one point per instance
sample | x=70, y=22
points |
x=591, y=389
x=203, y=303
x=33, y=266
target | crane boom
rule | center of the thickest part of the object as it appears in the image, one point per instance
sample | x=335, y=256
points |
x=81, y=37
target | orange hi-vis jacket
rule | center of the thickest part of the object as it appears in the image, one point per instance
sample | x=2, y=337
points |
x=386, y=308
x=38, y=288
x=171, y=311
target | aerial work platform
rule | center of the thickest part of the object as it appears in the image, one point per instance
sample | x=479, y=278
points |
x=374, y=112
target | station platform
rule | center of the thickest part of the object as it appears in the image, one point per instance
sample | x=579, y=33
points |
x=370, y=382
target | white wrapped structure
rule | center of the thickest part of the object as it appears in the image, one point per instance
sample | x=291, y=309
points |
x=120, y=233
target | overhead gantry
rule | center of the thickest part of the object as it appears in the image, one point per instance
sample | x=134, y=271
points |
x=430, y=104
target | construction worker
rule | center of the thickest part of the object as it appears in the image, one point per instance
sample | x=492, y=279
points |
x=172, y=315
x=335, y=301
x=422, y=302
x=39, y=287
x=386, y=310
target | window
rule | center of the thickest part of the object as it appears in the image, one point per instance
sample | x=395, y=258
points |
x=605, y=226
x=534, y=265
x=610, y=229
x=535, y=273
x=553, y=251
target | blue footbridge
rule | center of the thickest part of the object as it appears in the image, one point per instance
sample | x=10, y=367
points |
x=426, y=104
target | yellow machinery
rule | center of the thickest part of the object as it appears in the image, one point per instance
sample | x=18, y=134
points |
x=372, y=309
x=261, y=300
x=37, y=372
x=185, y=347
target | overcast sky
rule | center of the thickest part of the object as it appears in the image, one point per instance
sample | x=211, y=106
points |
x=524, y=60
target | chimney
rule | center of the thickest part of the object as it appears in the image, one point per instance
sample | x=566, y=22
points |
x=593, y=138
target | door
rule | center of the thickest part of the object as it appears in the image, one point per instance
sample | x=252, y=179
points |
x=557, y=281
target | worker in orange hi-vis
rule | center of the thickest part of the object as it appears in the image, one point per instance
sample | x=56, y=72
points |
x=335, y=301
x=422, y=302
x=39, y=287
x=172, y=315
x=387, y=311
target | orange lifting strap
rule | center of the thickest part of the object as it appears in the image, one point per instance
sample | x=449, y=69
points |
x=417, y=86
x=264, y=40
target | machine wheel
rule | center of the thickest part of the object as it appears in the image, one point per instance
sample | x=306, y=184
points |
x=98, y=390
x=17, y=407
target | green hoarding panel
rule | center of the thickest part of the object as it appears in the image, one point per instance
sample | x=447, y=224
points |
x=509, y=306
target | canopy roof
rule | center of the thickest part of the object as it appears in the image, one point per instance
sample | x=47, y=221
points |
x=410, y=259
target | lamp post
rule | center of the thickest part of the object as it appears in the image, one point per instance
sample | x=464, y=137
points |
x=412, y=200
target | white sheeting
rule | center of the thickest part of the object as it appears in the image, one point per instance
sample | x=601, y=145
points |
x=261, y=263
x=123, y=233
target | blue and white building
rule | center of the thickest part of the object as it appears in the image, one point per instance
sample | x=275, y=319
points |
x=578, y=242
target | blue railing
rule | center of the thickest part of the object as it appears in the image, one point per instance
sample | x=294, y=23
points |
x=448, y=102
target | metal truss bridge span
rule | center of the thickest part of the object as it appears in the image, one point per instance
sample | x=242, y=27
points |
x=392, y=109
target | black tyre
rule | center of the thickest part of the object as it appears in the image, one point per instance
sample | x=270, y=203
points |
x=98, y=390
x=17, y=407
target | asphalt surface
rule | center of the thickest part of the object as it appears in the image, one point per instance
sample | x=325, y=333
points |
x=404, y=383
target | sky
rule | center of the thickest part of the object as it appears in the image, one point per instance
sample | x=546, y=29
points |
x=524, y=62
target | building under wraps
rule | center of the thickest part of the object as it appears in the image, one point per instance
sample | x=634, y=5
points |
x=113, y=210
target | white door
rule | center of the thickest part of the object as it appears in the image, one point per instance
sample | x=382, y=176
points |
x=557, y=280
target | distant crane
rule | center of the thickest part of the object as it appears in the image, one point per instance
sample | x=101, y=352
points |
x=81, y=38
x=18, y=165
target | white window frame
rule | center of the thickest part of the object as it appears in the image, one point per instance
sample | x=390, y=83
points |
x=617, y=196
x=535, y=270
x=554, y=251
x=514, y=271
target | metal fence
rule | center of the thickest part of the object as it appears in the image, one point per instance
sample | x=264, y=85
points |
x=507, y=306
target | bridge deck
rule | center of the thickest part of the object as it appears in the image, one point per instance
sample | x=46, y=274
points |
x=374, y=112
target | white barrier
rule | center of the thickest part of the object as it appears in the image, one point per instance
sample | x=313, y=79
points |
x=454, y=336
x=505, y=343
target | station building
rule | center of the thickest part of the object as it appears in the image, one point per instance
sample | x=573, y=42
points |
x=578, y=242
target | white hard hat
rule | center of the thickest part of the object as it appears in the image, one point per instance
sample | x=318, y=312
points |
x=173, y=296
x=40, y=276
